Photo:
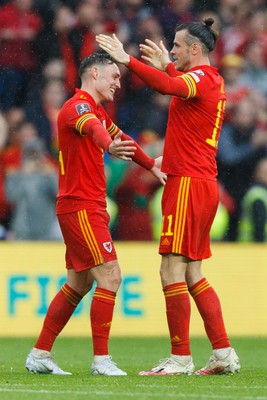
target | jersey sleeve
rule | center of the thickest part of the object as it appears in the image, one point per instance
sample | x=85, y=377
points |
x=87, y=124
x=171, y=70
x=112, y=128
x=140, y=157
x=181, y=85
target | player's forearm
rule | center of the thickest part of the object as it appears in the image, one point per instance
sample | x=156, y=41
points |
x=140, y=157
x=99, y=135
x=158, y=80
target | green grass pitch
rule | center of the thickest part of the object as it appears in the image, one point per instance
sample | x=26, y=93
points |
x=132, y=355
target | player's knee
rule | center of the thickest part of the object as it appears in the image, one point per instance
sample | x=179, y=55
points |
x=114, y=282
x=108, y=276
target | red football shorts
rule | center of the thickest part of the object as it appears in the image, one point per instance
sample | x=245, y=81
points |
x=189, y=206
x=87, y=238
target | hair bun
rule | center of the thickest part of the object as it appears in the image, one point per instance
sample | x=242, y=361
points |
x=208, y=22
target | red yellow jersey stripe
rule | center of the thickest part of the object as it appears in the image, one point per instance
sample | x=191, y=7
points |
x=90, y=237
x=180, y=217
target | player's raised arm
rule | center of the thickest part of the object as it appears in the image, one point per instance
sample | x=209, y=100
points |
x=156, y=55
x=153, y=77
x=114, y=47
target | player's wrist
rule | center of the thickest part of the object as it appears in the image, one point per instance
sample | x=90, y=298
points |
x=165, y=65
x=126, y=60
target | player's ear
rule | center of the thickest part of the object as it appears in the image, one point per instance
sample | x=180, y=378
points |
x=95, y=72
x=195, y=48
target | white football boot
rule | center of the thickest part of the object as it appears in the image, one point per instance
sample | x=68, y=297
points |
x=219, y=363
x=174, y=365
x=42, y=362
x=106, y=367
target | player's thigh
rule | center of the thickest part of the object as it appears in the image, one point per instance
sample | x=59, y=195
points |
x=188, y=207
x=87, y=238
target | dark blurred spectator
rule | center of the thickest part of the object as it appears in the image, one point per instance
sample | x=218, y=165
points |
x=207, y=6
x=32, y=192
x=19, y=27
x=232, y=66
x=253, y=223
x=173, y=13
x=131, y=12
x=10, y=157
x=43, y=113
x=19, y=135
x=241, y=146
x=90, y=21
x=148, y=26
x=135, y=97
x=133, y=101
x=55, y=42
x=257, y=29
x=156, y=114
x=259, y=102
x=254, y=75
x=132, y=196
x=54, y=69
x=234, y=33
x=14, y=116
x=228, y=10
x=260, y=4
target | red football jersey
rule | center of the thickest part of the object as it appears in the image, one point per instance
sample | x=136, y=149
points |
x=195, y=117
x=84, y=131
x=81, y=176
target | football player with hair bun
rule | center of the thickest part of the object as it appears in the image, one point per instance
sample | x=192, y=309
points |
x=85, y=131
x=190, y=198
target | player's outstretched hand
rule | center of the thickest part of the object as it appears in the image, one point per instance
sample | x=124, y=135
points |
x=156, y=171
x=156, y=55
x=123, y=149
x=114, y=47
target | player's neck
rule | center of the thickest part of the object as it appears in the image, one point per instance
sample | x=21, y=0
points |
x=90, y=90
x=199, y=61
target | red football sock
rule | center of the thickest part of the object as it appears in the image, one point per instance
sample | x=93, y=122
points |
x=209, y=307
x=101, y=318
x=178, y=316
x=58, y=314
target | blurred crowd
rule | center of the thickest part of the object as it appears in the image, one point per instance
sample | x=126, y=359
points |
x=41, y=45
